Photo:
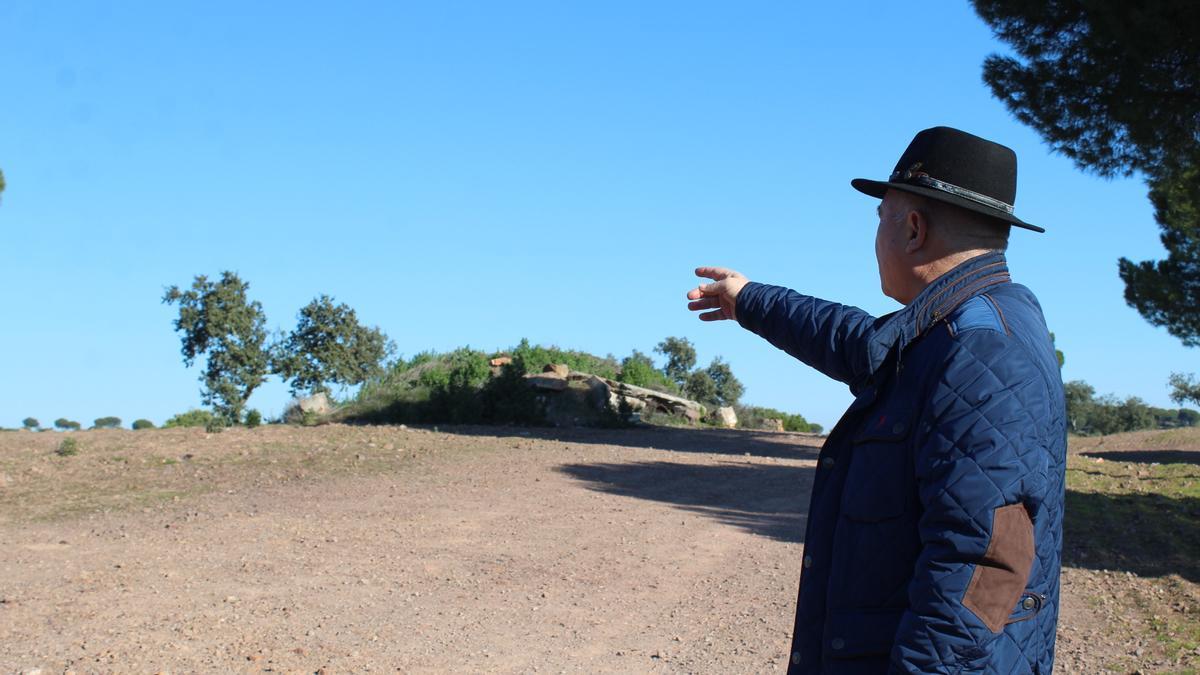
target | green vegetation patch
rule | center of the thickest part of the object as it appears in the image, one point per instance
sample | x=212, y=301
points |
x=1141, y=517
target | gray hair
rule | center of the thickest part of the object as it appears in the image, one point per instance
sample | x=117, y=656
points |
x=960, y=229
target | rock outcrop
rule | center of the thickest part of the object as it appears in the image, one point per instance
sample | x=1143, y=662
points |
x=726, y=417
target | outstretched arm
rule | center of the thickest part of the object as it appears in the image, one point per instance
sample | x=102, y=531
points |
x=826, y=335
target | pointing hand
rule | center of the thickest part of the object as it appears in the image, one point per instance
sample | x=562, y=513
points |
x=719, y=296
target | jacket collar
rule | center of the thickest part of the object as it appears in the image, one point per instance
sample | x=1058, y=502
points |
x=936, y=302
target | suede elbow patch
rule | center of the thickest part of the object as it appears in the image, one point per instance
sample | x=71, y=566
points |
x=1001, y=575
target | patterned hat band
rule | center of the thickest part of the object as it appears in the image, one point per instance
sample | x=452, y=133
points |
x=924, y=179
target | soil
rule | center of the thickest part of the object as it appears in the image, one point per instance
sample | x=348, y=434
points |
x=469, y=549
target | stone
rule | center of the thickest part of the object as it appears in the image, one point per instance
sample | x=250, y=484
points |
x=559, y=369
x=772, y=424
x=599, y=392
x=318, y=404
x=657, y=398
x=726, y=417
x=549, y=381
x=500, y=361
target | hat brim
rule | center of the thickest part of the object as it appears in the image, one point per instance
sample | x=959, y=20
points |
x=877, y=189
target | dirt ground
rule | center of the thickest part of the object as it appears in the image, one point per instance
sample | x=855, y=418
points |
x=463, y=550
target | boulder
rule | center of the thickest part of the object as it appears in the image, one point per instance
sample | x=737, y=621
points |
x=772, y=424
x=692, y=415
x=559, y=369
x=549, y=381
x=726, y=417
x=500, y=361
x=317, y=404
x=658, y=399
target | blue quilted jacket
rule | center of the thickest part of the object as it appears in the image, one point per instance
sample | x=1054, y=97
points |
x=934, y=531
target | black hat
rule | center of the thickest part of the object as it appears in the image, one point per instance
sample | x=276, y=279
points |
x=957, y=168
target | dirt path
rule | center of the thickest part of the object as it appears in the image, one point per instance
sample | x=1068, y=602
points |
x=506, y=554
x=481, y=550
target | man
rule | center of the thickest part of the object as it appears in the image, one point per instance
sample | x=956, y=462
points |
x=935, y=524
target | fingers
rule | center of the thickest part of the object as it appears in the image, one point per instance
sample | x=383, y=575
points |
x=716, y=273
x=704, y=303
x=715, y=315
x=705, y=290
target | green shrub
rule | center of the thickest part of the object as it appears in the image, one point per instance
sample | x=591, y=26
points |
x=533, y=358
x=215, y=425
x=191, y=418
x=253, y=418
x=141, y=424
x=637, y=369
x=67, y=448
x=107, y=423
x=753, y=417
x=66, y=424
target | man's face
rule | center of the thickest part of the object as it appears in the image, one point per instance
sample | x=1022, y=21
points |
x=890, y=244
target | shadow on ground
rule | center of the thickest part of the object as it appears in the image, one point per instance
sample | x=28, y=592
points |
x=1147, y=456
x=766, y=500
x=1148, y=534
x=716, y=441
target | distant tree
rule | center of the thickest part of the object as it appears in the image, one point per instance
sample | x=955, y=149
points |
x=637, y=369
x=253, y=418
x=701, y=387
x=2, y=184
x=142, y=424
x=1188, y=417
x=216, y=320
x=1114, y=86
x=1184, y=388
x=31, y=423
x=1058, y=353
x=329, y=346
x=66, y=424
x=681, y=358
x=1080, y=402
x=728, y=389
x=107, y=423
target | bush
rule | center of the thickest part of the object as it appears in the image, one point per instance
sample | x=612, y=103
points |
x=637, y=369
x=253, y=418
x=754, y=417
x=534, y=358
x=31, y=423
x=141, y=424
x=459, y=387
x=107, y=423
x=191, y=418
x=67, y=448
x=66, y=424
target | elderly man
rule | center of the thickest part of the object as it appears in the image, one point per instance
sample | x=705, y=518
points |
x=935, y=524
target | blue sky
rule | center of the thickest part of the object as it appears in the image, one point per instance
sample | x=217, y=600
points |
x=475, y=173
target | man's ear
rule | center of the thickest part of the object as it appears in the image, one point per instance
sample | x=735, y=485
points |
x=916, y=229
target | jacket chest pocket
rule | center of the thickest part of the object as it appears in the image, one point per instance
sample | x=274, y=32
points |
x=879, y=479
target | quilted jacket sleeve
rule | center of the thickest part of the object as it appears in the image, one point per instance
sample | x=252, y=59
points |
x=979, y=463
x=826, y=335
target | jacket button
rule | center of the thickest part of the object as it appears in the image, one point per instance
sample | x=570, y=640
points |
x=827, y=463
x=807, y=561
x=837, y=643
x=899, y=427
x=1028, y=603
x=796, y=658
